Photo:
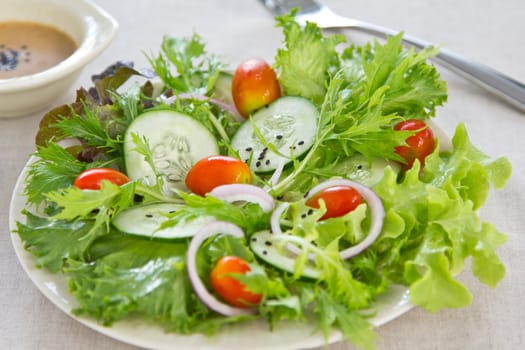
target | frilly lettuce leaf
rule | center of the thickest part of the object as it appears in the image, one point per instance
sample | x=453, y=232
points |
x=131, y=275
x=184, y=65
x=54, y=169
x=432, y=227
x=306, y=61
x=53, y=241
x=403, y=80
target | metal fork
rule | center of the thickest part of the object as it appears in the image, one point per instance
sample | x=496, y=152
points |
x=503, y=86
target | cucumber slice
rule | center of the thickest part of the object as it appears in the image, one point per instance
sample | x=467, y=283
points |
x=176, y=141
x=367, y=172
x=289, y=124
x=145, y=220
x=263, y=245
x=223, y=88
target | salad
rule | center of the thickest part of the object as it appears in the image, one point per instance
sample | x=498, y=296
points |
x=298, y=190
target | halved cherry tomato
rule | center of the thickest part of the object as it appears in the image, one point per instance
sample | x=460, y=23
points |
x=228, y=288
x=91, y=179
x=254, y=85
x=339, y=200
x=419, y=145
x=214, y=171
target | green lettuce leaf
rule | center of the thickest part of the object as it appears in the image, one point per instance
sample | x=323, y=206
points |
x=129, y=276
x=53, y=169
x=185, y=66
x=431, y=225
x=132, y=275
x=350, y=322
x=250, y=217
x=54, y=241
x=306, y=61
x=401, y=79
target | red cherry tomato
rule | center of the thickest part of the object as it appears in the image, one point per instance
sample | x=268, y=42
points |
x=91, y=179
x=214, y=171
x=339, y=200
x=230, y=289
x=419, y=145
x=254, y=85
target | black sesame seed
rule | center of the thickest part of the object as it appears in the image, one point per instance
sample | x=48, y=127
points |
x=359, y=167
x=254, y=239
x=310, y=211
x=300, y=143
x=268, y=243
x=264, y=252
x=303, y=216
x=258, y=163
x=149, y=215
x=278, y=137
x=248, y=149
x=267, y=162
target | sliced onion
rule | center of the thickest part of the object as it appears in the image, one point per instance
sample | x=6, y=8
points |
x=377, y=211
x=223, y=105
x=207, y=231
x=244, y=192
x=274, y=180
x=276, y=218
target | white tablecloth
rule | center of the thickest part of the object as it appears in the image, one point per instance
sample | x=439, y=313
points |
x=491, y=32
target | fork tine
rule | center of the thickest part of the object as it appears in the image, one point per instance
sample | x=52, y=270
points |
x=280, y=7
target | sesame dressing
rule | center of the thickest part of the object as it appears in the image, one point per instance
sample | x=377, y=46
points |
x=28, y=48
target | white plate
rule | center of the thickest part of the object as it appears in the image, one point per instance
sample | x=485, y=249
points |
x=253, y=335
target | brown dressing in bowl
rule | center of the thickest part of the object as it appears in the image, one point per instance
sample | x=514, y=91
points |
x=30, y=47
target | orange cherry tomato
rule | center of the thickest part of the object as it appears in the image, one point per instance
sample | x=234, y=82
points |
x=214, y=171
x=230, y=289
x=91, y=179
x=338, y=200
x=419, y=145
x=254, y=85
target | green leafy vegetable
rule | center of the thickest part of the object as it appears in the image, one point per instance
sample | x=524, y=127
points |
x=55, y=168
x=440, y=227
x=307, y=60
x=402, y=79
x=250, y=216
x=184, y=65
x=54, y=241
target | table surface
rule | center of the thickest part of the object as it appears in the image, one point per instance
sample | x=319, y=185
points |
x=486, y=31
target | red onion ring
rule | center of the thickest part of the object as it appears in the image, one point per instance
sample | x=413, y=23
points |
x=276, y=216
x=207, y=231
x=223, y=105
x=377, y=211
x=244, y=192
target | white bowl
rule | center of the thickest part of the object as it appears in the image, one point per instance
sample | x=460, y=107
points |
x=88, y=25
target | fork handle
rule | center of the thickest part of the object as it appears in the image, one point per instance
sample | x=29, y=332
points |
x=505, y=87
